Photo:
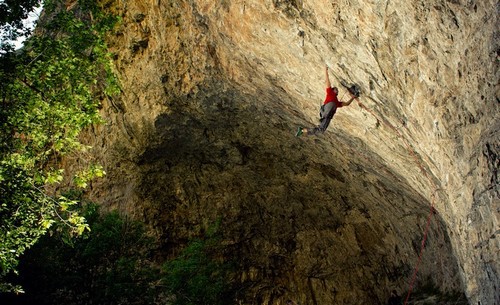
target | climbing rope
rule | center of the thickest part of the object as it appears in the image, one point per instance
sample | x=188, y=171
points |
x=426, y=231
x=413, y=153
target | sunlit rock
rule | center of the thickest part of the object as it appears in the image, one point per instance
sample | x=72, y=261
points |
x=213, y=92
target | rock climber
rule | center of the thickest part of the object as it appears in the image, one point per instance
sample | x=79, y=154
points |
x=329, y=107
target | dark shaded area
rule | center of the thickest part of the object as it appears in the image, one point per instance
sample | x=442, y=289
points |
x=286, y=205
x=111, y=264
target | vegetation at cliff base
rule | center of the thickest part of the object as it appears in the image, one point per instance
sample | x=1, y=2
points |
x=107, y=265
x=198, y=275
x=50, y=92
x=114, y=263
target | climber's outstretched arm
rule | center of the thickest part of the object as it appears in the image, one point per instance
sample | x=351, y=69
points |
x=327, y=78
x=348, y=102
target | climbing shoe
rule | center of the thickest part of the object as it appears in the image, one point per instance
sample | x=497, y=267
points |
x=299, y=132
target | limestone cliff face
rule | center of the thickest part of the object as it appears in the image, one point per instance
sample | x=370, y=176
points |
x=213, y=92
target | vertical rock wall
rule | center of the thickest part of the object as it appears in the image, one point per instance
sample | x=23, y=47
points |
x=213, y=92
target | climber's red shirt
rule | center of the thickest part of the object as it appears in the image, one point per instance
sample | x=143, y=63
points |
x=331, y=96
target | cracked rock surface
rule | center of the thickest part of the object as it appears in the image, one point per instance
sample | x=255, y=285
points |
x=213, y=92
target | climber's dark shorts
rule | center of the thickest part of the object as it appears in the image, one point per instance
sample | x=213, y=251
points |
x=325, y=114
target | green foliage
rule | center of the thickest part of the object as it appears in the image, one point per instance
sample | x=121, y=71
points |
x=199, y=275
x=106, y=265
x=48, y=96
x=112, y=264
x=12, y=14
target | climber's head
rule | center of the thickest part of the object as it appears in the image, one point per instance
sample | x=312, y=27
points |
x=336, y=90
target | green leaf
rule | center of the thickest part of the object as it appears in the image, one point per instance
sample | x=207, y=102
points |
x=54, y=177
x=47, y=223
